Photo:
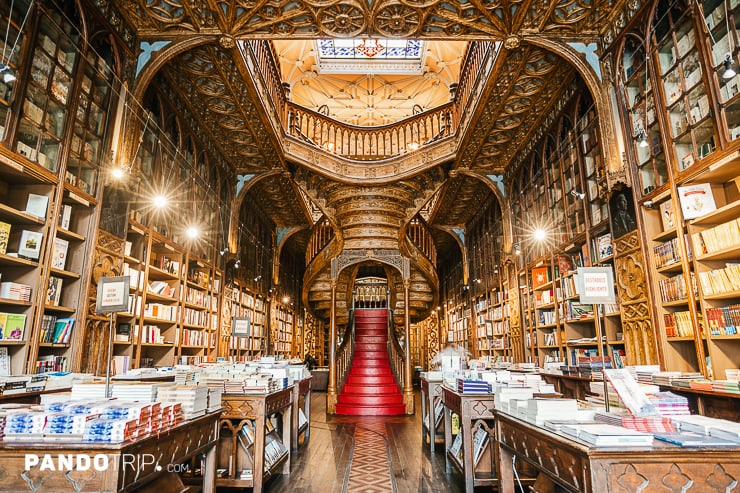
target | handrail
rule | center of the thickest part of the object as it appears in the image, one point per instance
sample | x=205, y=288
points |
x=369, y=143
x=420, y=235
x=321, y=234
x=395, y=353
x=345, y=352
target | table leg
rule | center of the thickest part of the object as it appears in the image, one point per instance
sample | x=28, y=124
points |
x=506, y=471
x=209, y=475
x=448, y=438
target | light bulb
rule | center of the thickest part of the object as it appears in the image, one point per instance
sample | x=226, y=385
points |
x=8, y=77
x=117, y=173
x=540, y=234
x=160, y=201
x=193, y=232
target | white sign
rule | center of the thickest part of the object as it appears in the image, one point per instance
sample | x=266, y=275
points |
x=595, y=285
x=112, y=294
x=240, y=326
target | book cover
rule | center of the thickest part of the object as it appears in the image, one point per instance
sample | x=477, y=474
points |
x=54, y=291
x=565, y=264
x=37, y=204
x=4, y=236
x=696, y=200
x=3, y=321
x=123, y=332
x=65, y=215
x=59, y=254
x=62, y=330
x=667, y=216
x=604, y=246
x=540, y=276
x=30, y=244
x=15, y=326
x=4, y=361
x=690, y=439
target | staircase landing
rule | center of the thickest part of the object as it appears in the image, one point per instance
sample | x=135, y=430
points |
x=370, y=388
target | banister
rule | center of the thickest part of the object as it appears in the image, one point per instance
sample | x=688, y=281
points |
x=396, y=353
x=345, y=352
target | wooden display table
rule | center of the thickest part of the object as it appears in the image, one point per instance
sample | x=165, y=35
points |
x=130, y=465
x=579, y=467
x=431, y=393
x=240, y=410
x=473, y=410
x=301, y=390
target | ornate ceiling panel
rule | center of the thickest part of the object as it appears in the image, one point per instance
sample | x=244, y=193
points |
x=463, y=196
x=434, y=19
x=276, y=196
x=210, y=83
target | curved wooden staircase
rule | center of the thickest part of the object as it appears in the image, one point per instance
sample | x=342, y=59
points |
x=370, y=388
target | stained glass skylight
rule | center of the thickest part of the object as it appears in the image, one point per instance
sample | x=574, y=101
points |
x=386, y=56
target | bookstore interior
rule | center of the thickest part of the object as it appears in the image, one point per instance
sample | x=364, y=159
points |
x=517, y=223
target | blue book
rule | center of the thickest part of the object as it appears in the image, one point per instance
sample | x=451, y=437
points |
x=689, y=439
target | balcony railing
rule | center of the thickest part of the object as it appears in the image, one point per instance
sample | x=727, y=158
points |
x=368, y=143
x=420, y=235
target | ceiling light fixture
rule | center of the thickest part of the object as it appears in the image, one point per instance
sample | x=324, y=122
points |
x=540, y=234
x=160, y=201
x=729, y=72
x=192, y=232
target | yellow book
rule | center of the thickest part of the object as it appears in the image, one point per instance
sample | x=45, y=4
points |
x=4, y=235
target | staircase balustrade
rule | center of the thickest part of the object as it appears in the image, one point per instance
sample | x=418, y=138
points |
x=345, y=351
x=419, y=234
x=396, y=353
x=321, y=234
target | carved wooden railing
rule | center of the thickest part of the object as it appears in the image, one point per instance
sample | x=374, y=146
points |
x=420, y=235
x=396, y=353
x=321, y=234
x=369, y=143
x=345, y=352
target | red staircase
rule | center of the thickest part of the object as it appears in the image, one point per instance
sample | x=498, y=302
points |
x=370, y=388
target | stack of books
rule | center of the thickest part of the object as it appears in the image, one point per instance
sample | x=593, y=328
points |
x=606, y=435
x=193, y=398
x=649, y=424
x=540, y=410
x=470, y=386
x=110, y=431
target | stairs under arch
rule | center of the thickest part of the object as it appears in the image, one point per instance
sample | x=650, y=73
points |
x=370, y=388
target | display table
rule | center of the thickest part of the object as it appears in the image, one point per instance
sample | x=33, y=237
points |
x=431, y=393
x=301, y=390
x=241, y=410
x=473, y=410
x=579, y=467
x=130, y=465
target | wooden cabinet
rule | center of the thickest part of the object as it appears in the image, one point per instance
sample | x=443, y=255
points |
x=250, y=310
x=283, y=331
x=251, y=447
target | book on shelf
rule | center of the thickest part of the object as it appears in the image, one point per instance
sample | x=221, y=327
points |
x=604, y=246
x=65, y=216
x=480, y=439
x=697, y=200
x=15, y=326
x=4, y=361
x=4, y=237
x=30, y=244
x=62, y=330
x=540, y=276
x=59, y=253
x=123, y=332
x=54, y=291
x=667, y=215
x=37, y=205
x=565, y=264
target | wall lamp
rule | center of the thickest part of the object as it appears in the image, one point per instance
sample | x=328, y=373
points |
x=577, y=194
x=237, y=264
x=223, y=251
x=256, y=279
x=729, y=72
x=641, y=137
x=517, y=249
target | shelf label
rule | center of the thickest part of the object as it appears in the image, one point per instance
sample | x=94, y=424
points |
x=595, y=285
x=112, y=294
x=78, y=199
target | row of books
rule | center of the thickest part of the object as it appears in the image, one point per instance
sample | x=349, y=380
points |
x=674, y=288
x=724, y=320
x=52, y=363
x=718, y=238
x=56, y=330
x=678, y=324
x=719, y=281
x=667, y=253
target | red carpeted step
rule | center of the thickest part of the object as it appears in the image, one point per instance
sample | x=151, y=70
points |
x=375, y=363
x=373, y=389
x=370, y=346
x=371, y=399
x=356, y=379
x=355, y=410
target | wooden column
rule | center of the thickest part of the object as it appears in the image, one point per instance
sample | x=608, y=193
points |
x=408, y=391
x=331, y=391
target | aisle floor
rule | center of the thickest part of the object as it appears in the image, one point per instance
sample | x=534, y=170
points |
x=353, y=454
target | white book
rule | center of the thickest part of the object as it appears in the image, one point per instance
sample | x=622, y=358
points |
x=65, y=215
x=59, y=254
x=37, y=204
x=30, y=244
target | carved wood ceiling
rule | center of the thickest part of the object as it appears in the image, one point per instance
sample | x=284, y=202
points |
x=212, y=80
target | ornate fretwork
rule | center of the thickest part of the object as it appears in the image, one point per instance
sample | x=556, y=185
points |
x=324, y=18
x=634, y=305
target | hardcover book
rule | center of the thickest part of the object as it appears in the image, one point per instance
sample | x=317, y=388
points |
x=696, y=200
x=54, y=291
x=15, y=326
x=37, y=204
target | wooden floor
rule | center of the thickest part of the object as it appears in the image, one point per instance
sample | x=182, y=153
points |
x=348, y=454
